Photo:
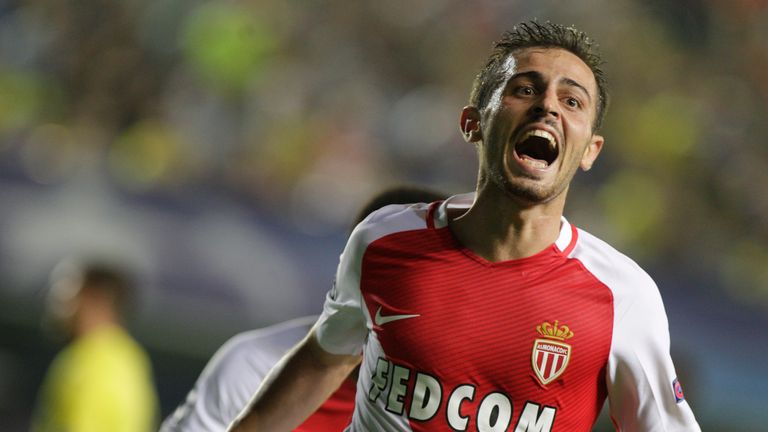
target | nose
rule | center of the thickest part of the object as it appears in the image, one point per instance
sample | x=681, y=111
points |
x=545, y=106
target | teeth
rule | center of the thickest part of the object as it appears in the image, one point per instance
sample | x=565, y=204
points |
x=541, y=134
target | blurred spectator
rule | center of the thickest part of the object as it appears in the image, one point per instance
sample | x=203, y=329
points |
x=102, y=380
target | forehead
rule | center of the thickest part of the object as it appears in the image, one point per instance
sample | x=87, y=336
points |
x=554, y=64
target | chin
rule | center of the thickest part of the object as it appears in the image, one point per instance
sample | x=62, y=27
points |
x=525, y=194
x=528, y=196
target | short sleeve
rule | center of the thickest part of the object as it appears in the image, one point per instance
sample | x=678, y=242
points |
x=643, y=390
x=344, y=324
x=341, y=328
x=233, y=375
x=222, y=390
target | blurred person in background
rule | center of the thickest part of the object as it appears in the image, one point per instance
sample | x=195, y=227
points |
x=490, y=311
x=235, y=371
x=102, y=380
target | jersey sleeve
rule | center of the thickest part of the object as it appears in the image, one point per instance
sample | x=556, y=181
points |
x=341, y=328
x=218, y=394
x=233, y=375
x=643, y=390
x=344, y=324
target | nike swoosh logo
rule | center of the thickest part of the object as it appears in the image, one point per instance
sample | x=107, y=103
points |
x=381, y=320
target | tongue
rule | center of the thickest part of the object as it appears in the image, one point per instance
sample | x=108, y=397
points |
x=536, y=163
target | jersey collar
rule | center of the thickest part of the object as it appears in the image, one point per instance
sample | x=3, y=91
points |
x=565, y=242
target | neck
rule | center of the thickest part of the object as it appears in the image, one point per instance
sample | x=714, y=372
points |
x=499, y=228
x=94, y=320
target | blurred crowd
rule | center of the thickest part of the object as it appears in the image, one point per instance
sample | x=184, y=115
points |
x=222, y=147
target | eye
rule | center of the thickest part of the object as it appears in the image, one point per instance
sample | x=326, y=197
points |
x=572, y=102
x=525, y=91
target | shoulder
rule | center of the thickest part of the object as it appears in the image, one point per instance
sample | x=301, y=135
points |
x=105, y=350
x=275, y=338
x=260, y=348
x=386, y=221
x=391, y=219
x=623, y=276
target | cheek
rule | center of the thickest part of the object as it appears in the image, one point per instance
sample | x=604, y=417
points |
x=578, y=128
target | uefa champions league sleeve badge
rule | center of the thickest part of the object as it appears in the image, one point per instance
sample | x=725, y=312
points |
x=677, y=388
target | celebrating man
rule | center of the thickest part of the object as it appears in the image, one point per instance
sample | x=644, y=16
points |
x=490, y=311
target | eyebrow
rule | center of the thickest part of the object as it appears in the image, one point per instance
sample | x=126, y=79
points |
x=538, y=77
x=573, y=83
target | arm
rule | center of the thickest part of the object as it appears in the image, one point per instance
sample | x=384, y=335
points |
x=295, y=388
x=640, y=374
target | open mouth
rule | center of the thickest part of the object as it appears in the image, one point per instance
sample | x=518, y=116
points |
x=537, y=147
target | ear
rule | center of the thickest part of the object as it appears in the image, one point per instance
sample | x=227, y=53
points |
x=591, y=152
x=470, y=124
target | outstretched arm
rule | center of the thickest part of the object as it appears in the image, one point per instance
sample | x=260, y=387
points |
x=295, y=388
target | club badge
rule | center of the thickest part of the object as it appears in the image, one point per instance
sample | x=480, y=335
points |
x=550, y=353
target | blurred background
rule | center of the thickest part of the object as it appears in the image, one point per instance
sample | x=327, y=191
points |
x=221, y=149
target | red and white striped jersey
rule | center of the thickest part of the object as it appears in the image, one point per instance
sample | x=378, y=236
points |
x=454, y=342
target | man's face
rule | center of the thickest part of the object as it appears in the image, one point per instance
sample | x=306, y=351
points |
x=536, y=129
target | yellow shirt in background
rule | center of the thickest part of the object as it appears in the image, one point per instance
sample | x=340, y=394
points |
x=101, y=382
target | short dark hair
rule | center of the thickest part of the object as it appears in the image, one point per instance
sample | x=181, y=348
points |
x=112, y=280
x=547, y=35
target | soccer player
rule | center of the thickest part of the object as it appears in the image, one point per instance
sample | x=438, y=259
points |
x=102, y=381
x=490, y=311
x=238, y=367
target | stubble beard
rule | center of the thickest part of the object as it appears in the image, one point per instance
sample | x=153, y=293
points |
x=525, y=194
x=526, y=190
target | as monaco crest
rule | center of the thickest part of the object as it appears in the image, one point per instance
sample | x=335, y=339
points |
x=550, y=355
